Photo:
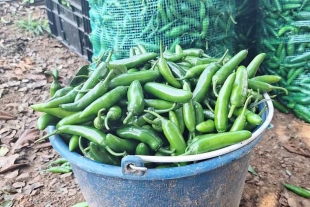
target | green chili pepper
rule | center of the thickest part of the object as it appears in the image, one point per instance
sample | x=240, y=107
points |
x=205, y=27
x=221, y=106
x=165, y=70
x=158, y=103
x=280, y=106
x=254, y=64
x=208, y=114
x=68, y=98
x=267, y=78
x=100, y=154
x=251, y=117
x=45, y=120
x=198, y=113
x=55, y=85
x=127, y=78
x=206, y=126
x=143, y=135
x=199, y=61
x=264, y=87
x=240, y=121
x=61, y=92
x=178, y=49
x=210, y=142
x=156, y=124
x=173, y=134
x=179, y=114
x=239, y=90
x=222, y=74
x=135, y=100
x=99, y=90
x=302, y=112
x=58, y=169
x=74, y=118
x=167, y=93
x=100, y=72
x=142, y=149
x=74, y=142
x=105, y=101
x=194, y=71
x=298, y=190
x=120, y=145
x=189, y=114
x=173, y=57
x=58, y=112
x=205, y=79
x=99, y=121
x=58, y=161
x=136, y=60
x=82, y=204
x=114, y=113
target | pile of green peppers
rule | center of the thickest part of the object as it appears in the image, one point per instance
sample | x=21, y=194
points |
x=120, y=25
x=173, y=104
x=284, y=36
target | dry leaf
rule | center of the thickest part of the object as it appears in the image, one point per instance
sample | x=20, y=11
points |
x=297, y=148
x=6, y=162
x=14, y=166
x=11, y=175
x=28, y=135
x=3, y=151
x=43, y=145
x=6, y=116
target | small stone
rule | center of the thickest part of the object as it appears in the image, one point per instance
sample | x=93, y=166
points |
x=283, y=165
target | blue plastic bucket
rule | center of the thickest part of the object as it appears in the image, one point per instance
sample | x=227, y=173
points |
x=214, y=182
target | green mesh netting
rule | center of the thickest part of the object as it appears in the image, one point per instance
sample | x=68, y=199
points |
x=120, y=25
x=284, y=35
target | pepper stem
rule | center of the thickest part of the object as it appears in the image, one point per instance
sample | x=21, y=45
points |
x=246, y=105
x=163, y=150
x=83, y=150
x=129, y=115
x=115, y=153
x=166, y=110
x=161, y=49
x=46, y=136
x=106, y=121
x=109, y=57
x=220, y=61
x=154, y=113
x=214, y=88
x=280, y=88
x=149, y=120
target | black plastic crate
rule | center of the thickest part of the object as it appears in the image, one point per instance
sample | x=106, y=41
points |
x=70, y=24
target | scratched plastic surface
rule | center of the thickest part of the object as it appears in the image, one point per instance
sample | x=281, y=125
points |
x=216, y=182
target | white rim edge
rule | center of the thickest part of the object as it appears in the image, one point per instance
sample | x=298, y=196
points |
x=216, y=153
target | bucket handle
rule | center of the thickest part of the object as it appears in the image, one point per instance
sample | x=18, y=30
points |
x=133, y=166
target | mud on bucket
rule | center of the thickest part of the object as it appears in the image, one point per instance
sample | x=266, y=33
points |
x=217, y=181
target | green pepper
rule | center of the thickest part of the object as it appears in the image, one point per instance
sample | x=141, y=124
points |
x=135, y=100
x=120, y=145
x=156, y=124
x=251, y=117
x=196, y=52
x=205, y=79
x=99, y=90
x=239, y=90
x=167, y=93
x=100, y=154
x=100, y=72
x=264, y=87
x=173, y=135
x=142, y=149
x=68, y=98
x=45, y=120
x=74, y=142
x=158, y=103
x=208, y=114
x=194, y=71
x=267, y=78
x=105, y=101
x=189, y=115
x=126, y=79
x=58, y=169
x=143, y=135
x=198, y=113
x=222, y=102
x=169, y=56
x=221, y=75
x=280, y=106
x=58, y=112
x=179, y=114
x=99, y=120
x=55, y=86
x=61, y=92
x=136, y=60
x=165, y=70
x=114, y=113
x=206, y=126
x=240, y=121
x=74, y=118
x=210, y=142
x=82, y=204
x=298, y=190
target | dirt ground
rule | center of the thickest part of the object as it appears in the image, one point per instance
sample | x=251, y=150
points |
x=282, y=156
